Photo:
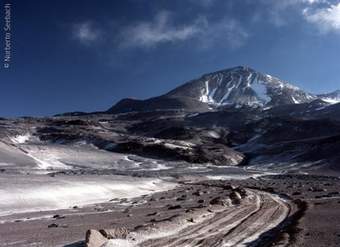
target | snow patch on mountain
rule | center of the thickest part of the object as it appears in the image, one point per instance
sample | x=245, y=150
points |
x=207, y=97
x=261, y=91
x=331, y=98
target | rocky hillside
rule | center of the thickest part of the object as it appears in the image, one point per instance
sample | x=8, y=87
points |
x=234, y=117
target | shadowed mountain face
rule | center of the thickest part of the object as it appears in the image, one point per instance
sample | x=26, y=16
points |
x=231, y=117
x=159, y=103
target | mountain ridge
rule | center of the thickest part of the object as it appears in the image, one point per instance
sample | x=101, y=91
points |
x=237, y=86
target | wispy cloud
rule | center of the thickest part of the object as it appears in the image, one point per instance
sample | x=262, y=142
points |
x=279, y=12
x=226, y=31
x=290, y=3
x=85, y=32
x=162, y=29
x=326, y=19
x=324, y=14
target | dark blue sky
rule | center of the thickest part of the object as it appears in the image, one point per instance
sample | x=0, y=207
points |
x=85, y=55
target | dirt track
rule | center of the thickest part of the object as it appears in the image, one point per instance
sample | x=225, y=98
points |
x=235, y=226
x=152, y=223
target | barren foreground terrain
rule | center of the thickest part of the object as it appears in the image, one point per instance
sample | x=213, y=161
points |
x=192, y=214
x=274, y=210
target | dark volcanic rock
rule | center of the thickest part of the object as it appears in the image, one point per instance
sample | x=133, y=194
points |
x=114, y=233
x=217, y=154
x=53, y=225
x=235, y=197
x=159, y=103
x=174, y=207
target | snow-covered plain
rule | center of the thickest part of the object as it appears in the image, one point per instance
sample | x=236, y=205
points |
x=38, y=157
x=28, y=186
x=39, y=193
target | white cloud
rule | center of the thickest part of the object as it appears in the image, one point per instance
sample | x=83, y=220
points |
x=160, y=30
x=163, y=30
x=326, y=19
x=85, y=32
x=289, y=3
x=279, y=11
x=314, y=1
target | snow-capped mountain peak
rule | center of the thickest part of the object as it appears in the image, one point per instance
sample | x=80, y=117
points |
x=242, y=86
x=235, y=87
